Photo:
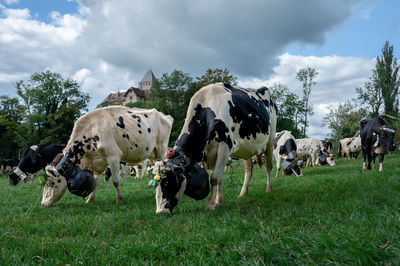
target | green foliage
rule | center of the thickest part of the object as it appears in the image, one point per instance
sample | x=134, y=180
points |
x=306, y=77
x=11, y=115
x=332, y=216
x=386, y=77
x=381, y=93
x=344, y=122
x=47, y=112
x=288, y=109
x=216, y=75
x=52, y=104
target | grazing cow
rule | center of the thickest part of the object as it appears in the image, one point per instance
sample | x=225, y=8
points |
x=7, y=165
x=315, y=152
x=328, y=147
x=222, y=121
x=285, y=148
x=143, y=167
x=33, y=160
x=105, y=137
x=343, y=150
x=354, y=146
x=376, y=138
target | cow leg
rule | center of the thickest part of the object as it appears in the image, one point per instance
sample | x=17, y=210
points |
x=248, y=171
x=381, y=156
x=369, y=155
x=364, y=156
x=373, y=159
x=278, y=166
x=137, y=175
x=114, y=165
x=217, y=196
x=312, y=159
x=268, y=164
x=144, y=168
x=92, y=196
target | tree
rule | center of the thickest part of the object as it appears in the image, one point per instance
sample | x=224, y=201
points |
x=52, y=105
x=306, y=76
x=386, y=77
x=371, y=98
x=288, y=108
x=171, y=95
x=344, y=122
x=11, y=115
x=216, y=75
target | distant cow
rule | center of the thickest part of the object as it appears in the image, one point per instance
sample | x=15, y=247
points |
x=315, y=152
x=285, y=148
x=105, y=137
x=328, y=147
x=354, y=146
x=34, y=159
x=343, y=150
x=222, y=121
x=8, y=165
x=376, y=138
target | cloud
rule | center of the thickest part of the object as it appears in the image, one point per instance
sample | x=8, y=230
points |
x=336, y=82
x=108, y=45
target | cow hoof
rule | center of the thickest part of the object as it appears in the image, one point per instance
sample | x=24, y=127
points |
x=164, y=211
x=90, y=199
x=210, y=207
x=269, y=188
x=242, y=194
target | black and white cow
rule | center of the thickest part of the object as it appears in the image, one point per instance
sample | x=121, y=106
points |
x=34, y=159
x=315, y=152
x=222, y=121
x=328, y=147
x=285, y=148
x=376, y=138
x=106, y=136
x=8, y=165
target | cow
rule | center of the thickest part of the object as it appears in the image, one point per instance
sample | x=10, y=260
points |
x=328, y=147
x=7, y=165
x=315, y=152
x=285, y=148
x=343, y=150
x=34, y=159
x=222, y=121
x=105, y=137
x=376, y=138
x=354, y=146
x=143, y=167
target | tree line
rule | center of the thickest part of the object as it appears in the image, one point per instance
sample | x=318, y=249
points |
x=48, y=105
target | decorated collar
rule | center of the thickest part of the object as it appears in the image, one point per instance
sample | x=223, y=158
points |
x=20, y=174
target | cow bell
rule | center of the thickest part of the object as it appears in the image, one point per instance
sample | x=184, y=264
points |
x=198, y=184
x=81, y=182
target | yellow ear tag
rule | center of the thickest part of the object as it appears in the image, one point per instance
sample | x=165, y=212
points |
x=373, y=134
x=157, y=177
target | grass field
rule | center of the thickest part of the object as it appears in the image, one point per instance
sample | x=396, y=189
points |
x=332, y=215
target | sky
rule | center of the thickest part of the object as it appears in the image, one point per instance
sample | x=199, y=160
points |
x=108, y=45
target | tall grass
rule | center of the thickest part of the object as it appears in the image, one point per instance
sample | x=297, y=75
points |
x=331, y=215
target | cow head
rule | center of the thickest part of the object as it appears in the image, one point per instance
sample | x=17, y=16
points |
x=170, y=188
x=79, y=182
x=31, y=159
x=326, y=158
x=384, y=142
x=54, y=187
x=176, y=181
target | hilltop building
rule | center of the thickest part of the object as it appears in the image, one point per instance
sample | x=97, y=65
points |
x=132, y=95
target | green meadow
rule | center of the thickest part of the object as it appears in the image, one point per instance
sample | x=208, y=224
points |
x=331, y=215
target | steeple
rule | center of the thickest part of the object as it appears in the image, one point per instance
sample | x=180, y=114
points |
x=147, y=81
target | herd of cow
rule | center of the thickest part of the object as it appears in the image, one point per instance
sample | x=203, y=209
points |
x=222, y=122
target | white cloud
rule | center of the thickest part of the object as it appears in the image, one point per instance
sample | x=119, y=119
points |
x=336, y=82
x=11, y=2
x=108, y=45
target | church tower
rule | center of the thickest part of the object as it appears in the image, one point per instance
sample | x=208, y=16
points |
x=146, y=82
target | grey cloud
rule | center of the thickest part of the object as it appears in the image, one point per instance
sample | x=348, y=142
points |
x=243, y=36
